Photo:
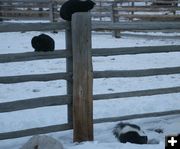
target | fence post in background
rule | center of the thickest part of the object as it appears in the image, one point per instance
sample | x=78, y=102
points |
x=132, y=5
x=100, y=6
x=82, y=77
x=69, y=69
x=115, y=19
x=1, y=11
x=51, y=11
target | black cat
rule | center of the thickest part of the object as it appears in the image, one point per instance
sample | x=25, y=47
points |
x=43, y=43
x=72, y=6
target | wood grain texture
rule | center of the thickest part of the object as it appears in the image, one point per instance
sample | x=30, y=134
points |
x=82, y=77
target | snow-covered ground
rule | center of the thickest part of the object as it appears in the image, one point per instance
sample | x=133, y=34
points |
x=104, y=139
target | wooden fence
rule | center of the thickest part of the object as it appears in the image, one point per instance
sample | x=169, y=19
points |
x=137, y=10
x=78, y=54
x=29, y=10
x=105, y=10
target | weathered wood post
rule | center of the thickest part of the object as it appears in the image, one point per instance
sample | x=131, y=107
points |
x=82, y=77
x=115, y=19
x=132, y=5
x=1, y=11
x=51, y=11
x=69, y=69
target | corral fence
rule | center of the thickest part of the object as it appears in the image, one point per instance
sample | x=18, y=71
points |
x=79, y=76
x=30, y=10
x=136, y=11
x=104, y=10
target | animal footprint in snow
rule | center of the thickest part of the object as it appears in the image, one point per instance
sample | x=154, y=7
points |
x=35, y=90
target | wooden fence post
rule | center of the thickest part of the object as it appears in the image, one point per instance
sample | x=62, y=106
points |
x=82, y=77
x=69, y=69
x=1, y=11
x=51, y=11
x=115, y=19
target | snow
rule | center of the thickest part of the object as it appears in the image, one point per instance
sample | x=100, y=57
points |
x=103, y=138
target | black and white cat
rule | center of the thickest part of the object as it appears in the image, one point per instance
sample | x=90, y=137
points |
x=132, y=133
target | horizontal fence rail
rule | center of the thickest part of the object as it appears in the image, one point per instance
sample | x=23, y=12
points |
x=97, y=74
x=146, y=8
x=30, y=56
x=126, y=1
x=148, y=92
x=34, y=131
x=34, y=103
x=136, y=116
x=151, y=17
x=35, y=77
x=96, y=25
x=142, y=25
x=136, y=73
x=135, y=50
x=24, y=27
